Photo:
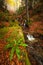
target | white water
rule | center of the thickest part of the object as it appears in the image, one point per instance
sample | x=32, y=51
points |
x=30, y=37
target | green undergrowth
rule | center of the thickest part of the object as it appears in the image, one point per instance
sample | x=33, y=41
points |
x=12, y=25
x=14, y=41
x=3, y=31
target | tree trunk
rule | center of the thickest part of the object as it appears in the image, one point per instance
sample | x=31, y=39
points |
x=27, y=9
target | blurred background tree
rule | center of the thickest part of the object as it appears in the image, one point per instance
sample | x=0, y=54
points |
x=1, y=4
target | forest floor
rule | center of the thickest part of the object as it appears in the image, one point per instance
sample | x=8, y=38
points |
x=36, y=52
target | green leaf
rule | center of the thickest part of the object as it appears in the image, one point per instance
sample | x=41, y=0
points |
x=15, y=41
x=23, y=44
x=27, y=59
x=21, y=40
x=8, y=46
x=18, y=52
x=12, y=53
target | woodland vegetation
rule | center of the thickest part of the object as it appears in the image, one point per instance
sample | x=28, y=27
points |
x=16, y=48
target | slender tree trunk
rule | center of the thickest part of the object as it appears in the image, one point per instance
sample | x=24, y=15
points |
x=27, y=9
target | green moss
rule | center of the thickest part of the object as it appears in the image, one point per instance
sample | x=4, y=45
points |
x=3, y=31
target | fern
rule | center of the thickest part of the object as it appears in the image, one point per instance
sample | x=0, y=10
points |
x=27, y=61
x=18, y=52
x=23, y=44
x=15, y=47
x=12, y=53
